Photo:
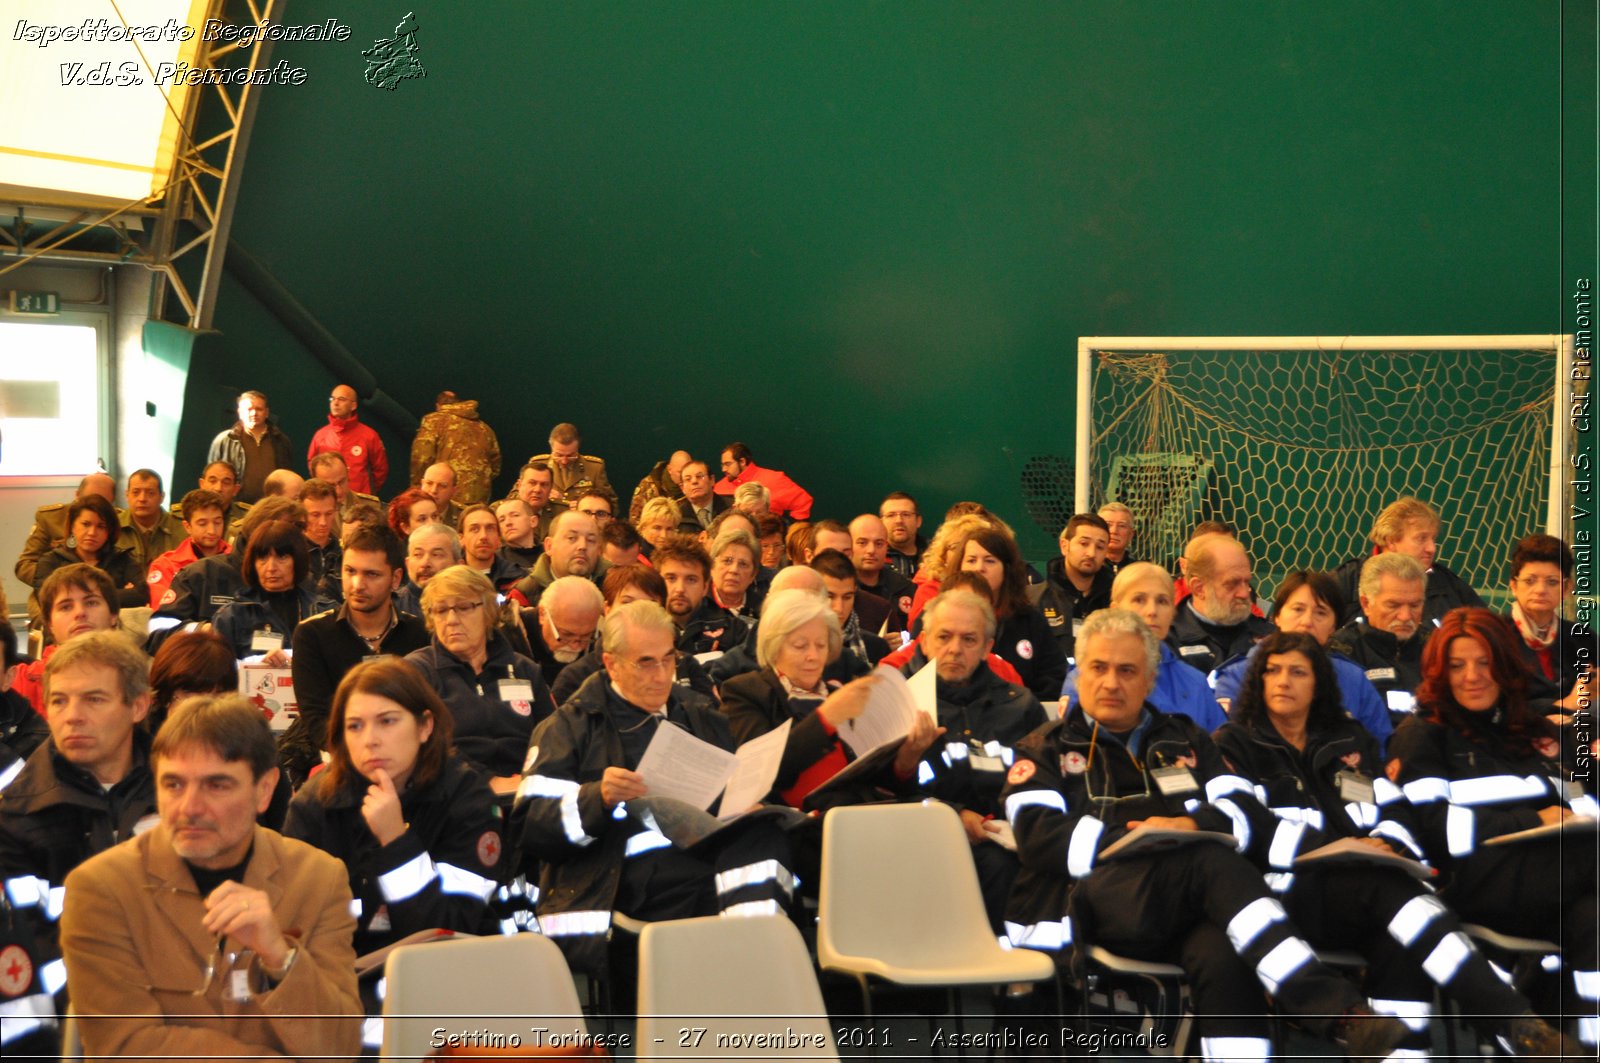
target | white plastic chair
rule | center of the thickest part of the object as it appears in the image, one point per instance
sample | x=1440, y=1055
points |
x=900, y=902
x=498, y=985
x=726, y=980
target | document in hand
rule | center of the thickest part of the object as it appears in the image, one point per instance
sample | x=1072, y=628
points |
x=676, y=764
x=1355, y=851
x=891, y=708
x=1147, y=841
x=1570, y=825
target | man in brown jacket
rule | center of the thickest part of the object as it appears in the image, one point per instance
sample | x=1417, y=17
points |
x=209, y=936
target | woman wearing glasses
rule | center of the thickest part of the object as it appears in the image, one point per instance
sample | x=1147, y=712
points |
x=417, y=828
x=494, y=694
x=1555, y=652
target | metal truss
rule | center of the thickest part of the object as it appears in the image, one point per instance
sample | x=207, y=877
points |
x=196, y=205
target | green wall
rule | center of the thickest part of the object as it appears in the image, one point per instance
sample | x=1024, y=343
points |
x=865, y=237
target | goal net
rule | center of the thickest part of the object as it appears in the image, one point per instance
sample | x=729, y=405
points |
x=1300, y=441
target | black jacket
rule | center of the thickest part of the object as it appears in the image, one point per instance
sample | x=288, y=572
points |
x=1063, y=606
x=1025, y=640
x=491, y=729
x=711, y=628
x=1574, y=647
x=983, y=721
x=197, y=592
x=239, y=620
x=440, y=873
x=120, y=565
x=1464, y=792
x=561, y=821
x=325, y=648
x=687, y=524
x=1390, y=665
x=22, y=730
x=1303, y=787
x=55, y=815
x=1204, y=645
x=1061, y=831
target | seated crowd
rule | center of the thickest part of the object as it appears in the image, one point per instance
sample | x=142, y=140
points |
x=478, y=682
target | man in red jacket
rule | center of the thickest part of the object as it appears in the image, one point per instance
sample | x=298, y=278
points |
x=789, y=499
x=359, y=445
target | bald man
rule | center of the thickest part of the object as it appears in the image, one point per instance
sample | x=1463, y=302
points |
x=662, y=481
x=357, y=443
x=1215, y=624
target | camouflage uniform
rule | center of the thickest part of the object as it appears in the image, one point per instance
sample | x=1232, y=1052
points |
x=454, y=435
x=586, y=474
x=656, y=484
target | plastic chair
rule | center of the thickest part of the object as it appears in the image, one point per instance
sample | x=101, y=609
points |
x=726, y=980
x=497, y=985
x=900, y=902
x=1170, y=1014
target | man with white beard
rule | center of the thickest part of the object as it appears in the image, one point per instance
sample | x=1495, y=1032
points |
x=1214, y=624
x=569, y=612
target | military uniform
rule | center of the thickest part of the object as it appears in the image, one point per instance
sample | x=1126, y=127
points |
x=352, y=497
x=568, y=482
x=146, y=546
x=48, y=532
x=656, y=484
x=454, y=435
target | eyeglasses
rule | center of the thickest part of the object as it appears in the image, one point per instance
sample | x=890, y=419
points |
x=575, y=639
x=442, y=612
x=652, y=664
x=597, y=514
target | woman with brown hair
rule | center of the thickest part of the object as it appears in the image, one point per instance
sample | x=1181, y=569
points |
x=1023, y=637
x=416, y=827
x=277, y=595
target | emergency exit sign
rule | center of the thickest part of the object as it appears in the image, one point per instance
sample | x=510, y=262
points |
x=35, y=303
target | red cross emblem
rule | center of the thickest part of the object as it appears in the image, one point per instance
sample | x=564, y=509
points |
x=16, y=970
x=489, y=848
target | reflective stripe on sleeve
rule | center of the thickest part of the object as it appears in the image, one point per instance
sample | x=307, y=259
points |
x=1046, y=934
x=644, y=842
x=1082, y=846
x=1447, y=957
x=407, y=880
x=1222, y=785
x=1285, y=843
x=1235, y=1049
x=459, y=880
x=1459, y=828
x=566, y=792
x=1426, y=791
x=1046, y=798
x=1414, y=1013
x=572, y=924
x=758, y=873
x=1396, y=832
x=1249, y=922
x=1414, y=916
x=1497, y=789
x=1282, y=963
x=11, y=773
x=1241, y=823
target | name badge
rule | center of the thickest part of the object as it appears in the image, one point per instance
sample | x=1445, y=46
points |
x=1174, y=782
x=1378, y=675
x=265, y=642
x=1353, y=786
x=1573, y=789
x=1401, y=701
x=1193, y=651
x=515, y=690
x=980, y=762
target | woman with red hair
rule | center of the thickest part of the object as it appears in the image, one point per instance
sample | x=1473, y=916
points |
x=1479, y=764
x=410, y=508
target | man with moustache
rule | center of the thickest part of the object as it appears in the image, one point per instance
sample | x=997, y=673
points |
x=1387, y=639
x=569, y=612
x=1214, y=624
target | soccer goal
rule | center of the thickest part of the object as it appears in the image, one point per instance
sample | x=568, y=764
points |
x=1299, y=441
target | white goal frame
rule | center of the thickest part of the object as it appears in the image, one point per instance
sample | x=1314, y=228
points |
x=1557, y=512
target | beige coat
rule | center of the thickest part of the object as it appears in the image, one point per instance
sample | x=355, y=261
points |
x=134, y=947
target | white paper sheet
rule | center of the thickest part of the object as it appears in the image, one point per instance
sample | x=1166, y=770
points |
x=757, y=767
x=888, y=716
x=677, y=764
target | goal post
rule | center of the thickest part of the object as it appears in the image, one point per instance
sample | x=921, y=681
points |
x=1301, y=440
